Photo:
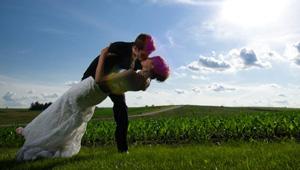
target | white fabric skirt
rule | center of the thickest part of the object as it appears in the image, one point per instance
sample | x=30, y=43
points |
x=58, y=130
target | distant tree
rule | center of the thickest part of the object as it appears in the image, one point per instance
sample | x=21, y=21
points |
x=39, y=106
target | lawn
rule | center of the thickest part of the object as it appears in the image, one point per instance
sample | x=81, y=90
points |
x=231, y=155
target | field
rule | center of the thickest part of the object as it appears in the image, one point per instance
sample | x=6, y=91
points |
x=206, y=156
x=194, y=137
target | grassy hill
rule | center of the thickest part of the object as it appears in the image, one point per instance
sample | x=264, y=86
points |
x=24, y=116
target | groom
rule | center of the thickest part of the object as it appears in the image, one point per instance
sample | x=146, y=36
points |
x=123, y=55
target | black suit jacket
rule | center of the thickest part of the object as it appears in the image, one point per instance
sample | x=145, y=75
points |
x=121, y=59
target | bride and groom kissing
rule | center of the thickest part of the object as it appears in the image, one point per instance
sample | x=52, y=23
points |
x=121, y=67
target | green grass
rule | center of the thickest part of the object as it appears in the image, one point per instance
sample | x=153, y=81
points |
x=273, y=126
x=241, y=132
x=24, y=116
x=16, y=116
x=108, y=112
x=192, y=110
x=284, y=155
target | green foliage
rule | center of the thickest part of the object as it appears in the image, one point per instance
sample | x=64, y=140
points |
x=188, y=129
x=260, y=126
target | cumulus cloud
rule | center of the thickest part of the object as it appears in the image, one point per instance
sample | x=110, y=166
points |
x=30, y=91
x=11, y=100
x=9, y=96
x=281, y=95
x=46, y=95
x=198, y=77
x=292, y=53
x=179, y=91
x=247, y=58
x=297, y=57
x=297, y=60
x=297, y=45
x=178, y=74
x=235, y=60
x=208, y=64
x=194, y=66
x=71, y=83
x=196, y=90
x=212, y=63
x=220, y=88
x=282, y=102
x=272, y=85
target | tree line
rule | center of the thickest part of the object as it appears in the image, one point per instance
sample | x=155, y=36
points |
x=39, y=106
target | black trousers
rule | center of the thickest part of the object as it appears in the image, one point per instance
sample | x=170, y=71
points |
x=120, y=110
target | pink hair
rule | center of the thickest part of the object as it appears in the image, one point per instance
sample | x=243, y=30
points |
x=160, y=70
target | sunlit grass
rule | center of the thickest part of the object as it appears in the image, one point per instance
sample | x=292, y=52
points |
x=207, y=156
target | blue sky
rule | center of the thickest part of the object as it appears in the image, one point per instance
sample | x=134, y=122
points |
x=221, y=52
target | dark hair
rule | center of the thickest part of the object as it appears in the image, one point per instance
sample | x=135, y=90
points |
x=144, y=41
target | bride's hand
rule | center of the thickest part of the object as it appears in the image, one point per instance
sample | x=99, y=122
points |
x=104, y=51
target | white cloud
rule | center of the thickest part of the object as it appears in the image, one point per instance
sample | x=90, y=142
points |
x=30, y=91
x=282, y=102
x=177, y=75
x=235, y=60
x=196, y=90
x=179, y=91
x=297, y=45
x=250, y=59
x=11, y=99
x=272, y=85
x=46, y=95
x=212, y=63
x=297, y=60
x=71, y=83
x=20, y=94
x=282, y=95
x=199, y=77
x=220, y=88
x=194, y=66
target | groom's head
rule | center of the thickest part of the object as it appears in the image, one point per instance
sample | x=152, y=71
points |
x=143, y=46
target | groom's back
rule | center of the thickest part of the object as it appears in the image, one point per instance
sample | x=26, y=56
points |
x=120, y=59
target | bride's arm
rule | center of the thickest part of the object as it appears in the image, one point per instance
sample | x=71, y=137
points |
x=129, y=80
x=100, y=67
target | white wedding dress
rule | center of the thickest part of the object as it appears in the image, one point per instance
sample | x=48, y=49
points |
x=58, y=130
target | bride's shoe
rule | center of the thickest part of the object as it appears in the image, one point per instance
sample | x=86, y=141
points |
x=19, y=131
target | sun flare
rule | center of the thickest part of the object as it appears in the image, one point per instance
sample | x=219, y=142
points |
x=252, y=13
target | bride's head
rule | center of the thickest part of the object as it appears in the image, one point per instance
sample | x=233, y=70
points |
x=158, y=68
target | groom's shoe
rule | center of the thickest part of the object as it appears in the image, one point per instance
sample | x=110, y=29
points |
x=124, y=152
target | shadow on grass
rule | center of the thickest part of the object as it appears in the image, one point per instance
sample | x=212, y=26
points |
x=43, y=163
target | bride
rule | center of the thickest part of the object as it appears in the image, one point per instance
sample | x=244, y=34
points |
x=58, y=130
